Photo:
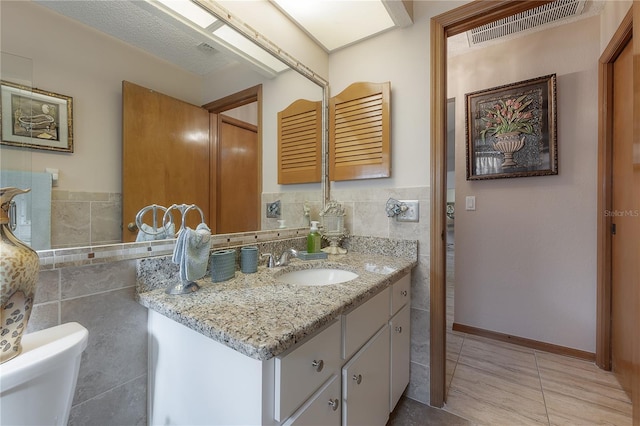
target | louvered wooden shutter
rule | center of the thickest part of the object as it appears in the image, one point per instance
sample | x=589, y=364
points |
x=359, y=132
x=300, y=142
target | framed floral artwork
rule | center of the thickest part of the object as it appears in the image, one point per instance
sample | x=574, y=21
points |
x=511, y=130
x=34, y=118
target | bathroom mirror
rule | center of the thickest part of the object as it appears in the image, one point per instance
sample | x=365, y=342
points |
x=100, y=180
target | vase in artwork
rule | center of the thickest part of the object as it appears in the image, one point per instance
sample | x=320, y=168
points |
x=508, y=144
x=19, y=267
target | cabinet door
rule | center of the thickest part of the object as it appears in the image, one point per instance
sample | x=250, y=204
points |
x=400, y=353
x=322, y=409
x=365, y=384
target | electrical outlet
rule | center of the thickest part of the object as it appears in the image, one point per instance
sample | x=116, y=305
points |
x=412, y=213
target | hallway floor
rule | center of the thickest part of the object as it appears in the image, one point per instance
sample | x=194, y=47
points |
x=495, y=383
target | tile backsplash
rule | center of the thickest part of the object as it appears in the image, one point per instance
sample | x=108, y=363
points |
x=85, y=218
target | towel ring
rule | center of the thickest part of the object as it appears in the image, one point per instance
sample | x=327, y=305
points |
x=183, y=209
x=154, y=209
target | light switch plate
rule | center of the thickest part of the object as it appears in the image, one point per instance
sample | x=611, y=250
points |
x=412, y=214
x=470, y=202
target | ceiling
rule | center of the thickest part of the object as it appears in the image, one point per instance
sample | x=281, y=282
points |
x=143, y=24
x=146, y=25
x=138, y=24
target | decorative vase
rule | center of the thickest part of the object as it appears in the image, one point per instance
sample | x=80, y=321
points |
x=508, y=144
x=19, y=266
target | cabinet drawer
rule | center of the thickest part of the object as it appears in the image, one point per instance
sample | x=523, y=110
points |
x=365, y=384
x=400, y=293
x=400, y=328
x=299, y=373
x=324, y=408
x=361, y=323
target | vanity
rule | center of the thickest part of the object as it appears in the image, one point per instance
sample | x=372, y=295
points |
x=255, y=350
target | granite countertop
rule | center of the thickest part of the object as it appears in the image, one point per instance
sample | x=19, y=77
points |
x=260, y=317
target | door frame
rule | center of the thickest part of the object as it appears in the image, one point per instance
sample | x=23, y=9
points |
x=238, y=99
x=623, y=34
x=462, y=19
x=605, y=202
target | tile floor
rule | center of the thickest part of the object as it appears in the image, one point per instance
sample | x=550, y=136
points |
x=496, y=383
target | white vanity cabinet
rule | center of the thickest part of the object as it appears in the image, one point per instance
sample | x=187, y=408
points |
x=374, y=379
x=350, y=373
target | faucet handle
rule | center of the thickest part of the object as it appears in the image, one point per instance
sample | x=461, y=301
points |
x=270, y=261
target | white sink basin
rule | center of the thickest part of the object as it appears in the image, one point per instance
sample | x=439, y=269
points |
x=317, y=277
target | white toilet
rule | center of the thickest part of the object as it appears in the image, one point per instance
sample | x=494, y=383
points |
x=37, y=386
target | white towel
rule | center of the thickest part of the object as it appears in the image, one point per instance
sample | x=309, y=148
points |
x=147, y=233
x=192, y=252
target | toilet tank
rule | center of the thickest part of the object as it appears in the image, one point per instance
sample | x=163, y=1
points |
x=37, y=386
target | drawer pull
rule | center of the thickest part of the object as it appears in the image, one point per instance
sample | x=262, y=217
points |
x=358, y=378
x=318, y=365
x=398, y=329
x=334, y=404
x=404, y=293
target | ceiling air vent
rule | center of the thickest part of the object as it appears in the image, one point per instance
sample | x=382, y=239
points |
x=206, y=48
x=542, y=15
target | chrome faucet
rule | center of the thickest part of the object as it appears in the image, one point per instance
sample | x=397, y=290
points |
x=284, y=258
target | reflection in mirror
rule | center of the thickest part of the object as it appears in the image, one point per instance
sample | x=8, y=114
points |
x=87, y=198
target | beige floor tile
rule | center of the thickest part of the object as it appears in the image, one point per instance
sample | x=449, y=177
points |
x=487, y=399
x=578, y=392
x=568, y=410
x=454, y=346
x=505, y=361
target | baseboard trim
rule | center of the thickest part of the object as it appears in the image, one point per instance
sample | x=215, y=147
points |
x=529, y=343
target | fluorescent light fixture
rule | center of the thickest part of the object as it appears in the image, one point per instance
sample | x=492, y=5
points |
x=242, y=46
x=191, y=11
x=337, y=23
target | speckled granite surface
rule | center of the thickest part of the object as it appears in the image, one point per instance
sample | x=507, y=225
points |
x=260, y=317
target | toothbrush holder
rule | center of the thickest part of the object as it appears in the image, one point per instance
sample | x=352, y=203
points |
x=223, y=265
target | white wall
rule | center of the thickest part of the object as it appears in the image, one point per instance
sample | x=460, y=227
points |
x=610, y=18
x=525, y=259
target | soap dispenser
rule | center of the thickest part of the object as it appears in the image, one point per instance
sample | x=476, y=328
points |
x=313, y=239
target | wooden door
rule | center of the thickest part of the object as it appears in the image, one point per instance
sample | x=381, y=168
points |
x=165, y=154
x=238, y=174
x=626, y=221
